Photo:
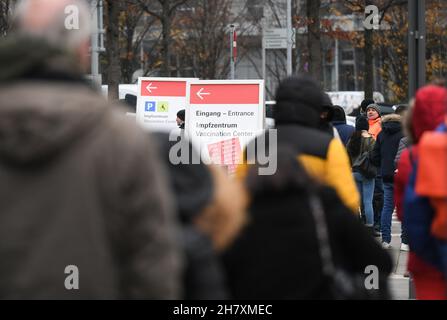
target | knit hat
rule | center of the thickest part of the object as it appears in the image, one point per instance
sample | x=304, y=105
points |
x=361, y=123
x=375, y=107
x=365, y=103
x=300, y=100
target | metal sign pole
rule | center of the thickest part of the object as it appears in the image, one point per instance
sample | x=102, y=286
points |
x=289, y=37
x=232, y=71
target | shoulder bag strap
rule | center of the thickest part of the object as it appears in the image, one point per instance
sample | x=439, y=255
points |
x=317, y=210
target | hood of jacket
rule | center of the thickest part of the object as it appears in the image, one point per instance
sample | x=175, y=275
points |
x=339, y=115
x=30, y=58
x=429, y=110
x=392, y=123
x=299, y=100
x=45, y=106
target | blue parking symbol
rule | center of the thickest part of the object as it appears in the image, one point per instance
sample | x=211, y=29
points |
x=149, y=106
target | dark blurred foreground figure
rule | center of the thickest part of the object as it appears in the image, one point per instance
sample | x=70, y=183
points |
x=299, y=105
x=277, y=255
x=81, y=186
x=425, y=115
x=211, y=208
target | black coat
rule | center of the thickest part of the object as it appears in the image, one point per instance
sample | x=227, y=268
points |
x=277, y=254
x=386, y=146
x=203, y=277
x=193, y=186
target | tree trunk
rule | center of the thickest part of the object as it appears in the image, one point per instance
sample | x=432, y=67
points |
x=313, y=38
x=369, y=67
x=166, y=33
x=5, y=10
x=294, y=51
x=127, y=63
x=113, y=50
x=166, y=54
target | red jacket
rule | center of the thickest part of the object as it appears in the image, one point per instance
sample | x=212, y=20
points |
x=415, y=264
x=428, y=113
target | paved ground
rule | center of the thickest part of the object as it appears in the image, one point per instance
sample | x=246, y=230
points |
x=399, y=285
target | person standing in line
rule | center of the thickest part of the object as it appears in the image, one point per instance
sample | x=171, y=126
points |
x=339, y=122
x=362, y=142
x=374, y=120
x=383, y=156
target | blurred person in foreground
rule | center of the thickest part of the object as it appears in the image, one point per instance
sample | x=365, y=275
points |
x=211, y=208
x=81, y=185
x=425, y=114
x=277, y=254
x=299, y=105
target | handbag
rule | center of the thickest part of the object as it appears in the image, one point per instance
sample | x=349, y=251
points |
x=343, y=285
x=363, y=164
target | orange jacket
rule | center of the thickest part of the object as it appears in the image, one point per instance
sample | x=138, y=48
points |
x=432, y=178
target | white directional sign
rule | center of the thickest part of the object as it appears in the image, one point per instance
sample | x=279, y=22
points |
x=223, y=116
x=276, y=38
x=159, y=100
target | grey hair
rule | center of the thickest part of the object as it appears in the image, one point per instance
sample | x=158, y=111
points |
x=55, y=31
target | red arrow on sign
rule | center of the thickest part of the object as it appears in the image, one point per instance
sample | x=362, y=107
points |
x=163, y=88
x=224, y=93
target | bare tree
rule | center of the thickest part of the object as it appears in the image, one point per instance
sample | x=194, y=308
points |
x=359, y=6
x=314, y=37
x=204, y=44
x=164, y=11
x=135, y=27
x=5, y=15
x=113, y=9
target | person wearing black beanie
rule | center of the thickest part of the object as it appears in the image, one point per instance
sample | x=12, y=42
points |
x=299, y=100
x=299, y=104
x=339, y=122
x=361, y=143
x=365, y=103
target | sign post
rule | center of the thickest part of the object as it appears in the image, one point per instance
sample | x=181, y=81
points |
x=223, y=116
x=159, y=100
x=233, y=50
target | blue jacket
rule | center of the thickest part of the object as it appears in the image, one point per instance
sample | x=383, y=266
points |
x=344, y=130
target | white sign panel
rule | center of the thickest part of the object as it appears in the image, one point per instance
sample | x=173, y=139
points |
x=276, y=38
x=275, y=33
x=159, y=100
x=223, y=116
